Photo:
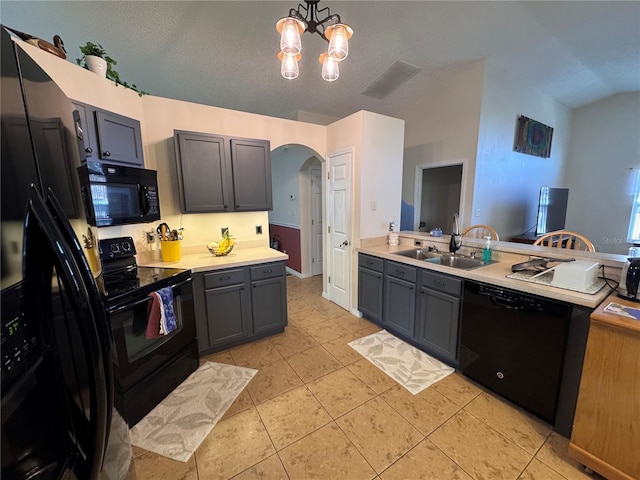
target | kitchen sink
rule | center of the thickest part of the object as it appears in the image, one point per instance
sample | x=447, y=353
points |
x=419, y=254
x=443, y=258
x=457, y=261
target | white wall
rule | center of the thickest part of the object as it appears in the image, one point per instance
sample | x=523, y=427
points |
x=442, y=127
x=380, y=174
x=604, y=147
x=507, y=183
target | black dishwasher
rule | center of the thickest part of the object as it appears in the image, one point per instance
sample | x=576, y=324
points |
x=514, y=344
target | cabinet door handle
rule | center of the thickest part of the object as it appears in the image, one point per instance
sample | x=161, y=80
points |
x=267, y=271
x=237, y=205
x=224, y=278
x=226, y=206
x=242, y=288
x=107, y=154
x=440, y=283
x=399, y=272
x=89, y=150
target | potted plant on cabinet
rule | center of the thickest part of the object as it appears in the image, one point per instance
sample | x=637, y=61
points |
x=96, y=59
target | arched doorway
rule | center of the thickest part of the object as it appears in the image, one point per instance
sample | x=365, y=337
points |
x=297, y=214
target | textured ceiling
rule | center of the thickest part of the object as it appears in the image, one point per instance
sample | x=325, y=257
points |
x=224, y=53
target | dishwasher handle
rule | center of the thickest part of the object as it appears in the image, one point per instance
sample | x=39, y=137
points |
x=502, y=302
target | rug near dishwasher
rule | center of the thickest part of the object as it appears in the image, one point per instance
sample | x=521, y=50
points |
x=407, y=365
x=176, y=427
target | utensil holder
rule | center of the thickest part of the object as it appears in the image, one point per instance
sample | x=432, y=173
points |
x=170, y=250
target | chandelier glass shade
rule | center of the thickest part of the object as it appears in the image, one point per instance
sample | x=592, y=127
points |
x=330, y=69
x=289, y=66
x=307, y=19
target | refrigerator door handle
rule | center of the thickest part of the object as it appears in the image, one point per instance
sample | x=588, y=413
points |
x=42, y=239
x=105, y=335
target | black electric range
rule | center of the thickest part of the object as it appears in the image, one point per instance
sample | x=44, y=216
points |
x=148, y=364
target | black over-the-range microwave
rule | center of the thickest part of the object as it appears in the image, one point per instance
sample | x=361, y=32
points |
x=118, y=195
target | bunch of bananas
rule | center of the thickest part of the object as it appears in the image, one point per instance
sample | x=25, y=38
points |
x=222, y=248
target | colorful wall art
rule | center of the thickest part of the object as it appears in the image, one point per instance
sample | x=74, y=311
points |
x=532, y=137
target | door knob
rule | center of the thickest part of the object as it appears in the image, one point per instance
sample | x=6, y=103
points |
x=345, y=243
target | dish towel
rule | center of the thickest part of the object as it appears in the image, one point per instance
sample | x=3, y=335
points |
x=153, y=316
x=161, y=316
x=167, y=316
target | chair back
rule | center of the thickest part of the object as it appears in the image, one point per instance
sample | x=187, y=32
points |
x=480, y=231
x=565, y=239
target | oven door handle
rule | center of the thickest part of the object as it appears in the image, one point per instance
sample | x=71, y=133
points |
x=129, y=306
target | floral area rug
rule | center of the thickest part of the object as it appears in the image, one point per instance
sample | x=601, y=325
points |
x=407, y=365
x=178, y=425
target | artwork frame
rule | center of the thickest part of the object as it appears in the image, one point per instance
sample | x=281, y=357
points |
x=532, y=137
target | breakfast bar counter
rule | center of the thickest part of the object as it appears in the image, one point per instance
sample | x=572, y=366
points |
x=505, y=254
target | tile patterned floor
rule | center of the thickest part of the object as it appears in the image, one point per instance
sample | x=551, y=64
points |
x=317, y=410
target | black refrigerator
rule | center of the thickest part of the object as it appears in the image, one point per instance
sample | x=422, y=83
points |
x=57, y=379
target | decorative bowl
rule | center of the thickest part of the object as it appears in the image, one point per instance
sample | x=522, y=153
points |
x=213, y=248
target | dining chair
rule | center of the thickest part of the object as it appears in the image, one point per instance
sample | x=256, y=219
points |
x=480, y=231
x=565, y=239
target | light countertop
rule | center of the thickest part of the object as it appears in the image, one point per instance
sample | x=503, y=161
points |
x=198, y=258
x=495, y=273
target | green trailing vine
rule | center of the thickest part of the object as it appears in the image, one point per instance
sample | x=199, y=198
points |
x=97, y=50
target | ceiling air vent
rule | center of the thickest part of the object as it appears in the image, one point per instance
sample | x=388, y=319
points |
x=398, y=73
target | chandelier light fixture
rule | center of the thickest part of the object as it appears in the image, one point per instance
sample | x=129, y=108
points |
x=307, y=19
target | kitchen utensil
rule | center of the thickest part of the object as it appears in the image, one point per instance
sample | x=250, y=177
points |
x=162, y=230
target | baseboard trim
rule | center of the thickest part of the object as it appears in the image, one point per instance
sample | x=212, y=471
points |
x=291, y=271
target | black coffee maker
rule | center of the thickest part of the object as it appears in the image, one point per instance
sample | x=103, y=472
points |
x=630, y=280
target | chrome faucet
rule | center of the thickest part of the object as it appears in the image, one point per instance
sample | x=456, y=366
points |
x=456, y=240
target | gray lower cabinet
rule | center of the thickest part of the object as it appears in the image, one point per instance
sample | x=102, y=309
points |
x=268, y=297
x=236, y=305
x=370, y=286
x=110, y=137
x=438, y=315
x=222, y=174
x=399, y=297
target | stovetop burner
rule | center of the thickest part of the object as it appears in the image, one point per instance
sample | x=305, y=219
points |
x=123, y=281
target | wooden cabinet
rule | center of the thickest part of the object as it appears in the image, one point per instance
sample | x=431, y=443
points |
x=606, y=430
x=238, y=305
x=399, y=298
x=222, y=174
x=370, y=286
x=110, y=137
x=438, y=315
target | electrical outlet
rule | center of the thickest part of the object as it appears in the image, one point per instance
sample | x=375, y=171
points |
x=150, y=236
x=223, y=230
x=477, y=212
x=258, y=229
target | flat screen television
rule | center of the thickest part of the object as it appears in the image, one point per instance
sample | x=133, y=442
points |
x=552, y=209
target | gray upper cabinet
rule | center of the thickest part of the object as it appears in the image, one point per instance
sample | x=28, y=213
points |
x=110, y=137
x=222, y=174
x=204, y=173
x=251, y=161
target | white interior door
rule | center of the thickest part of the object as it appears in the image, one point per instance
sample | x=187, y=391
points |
x=315, y=174
x=339, y=237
